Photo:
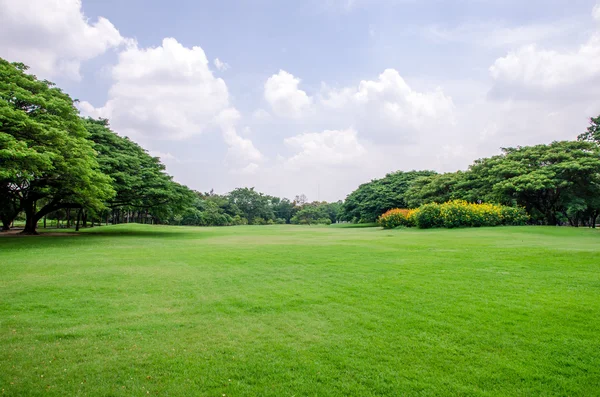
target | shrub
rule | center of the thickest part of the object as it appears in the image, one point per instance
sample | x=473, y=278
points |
x=454, y=214
x=397, y=217
x=515, y=216
x=238, y=220
x=429, y=216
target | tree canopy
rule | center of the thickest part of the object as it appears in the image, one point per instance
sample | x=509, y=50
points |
x=46, y=155
x=372, y=199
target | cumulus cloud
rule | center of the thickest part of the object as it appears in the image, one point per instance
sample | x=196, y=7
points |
x=169, y=93
x=531, y=70
x=53, y=37
x=250, y=169
x=220, y=65
x=261, y=115
x=241, y=152
x=389, y=107
x=164, y=92
x=284, y=96
x=330, y=147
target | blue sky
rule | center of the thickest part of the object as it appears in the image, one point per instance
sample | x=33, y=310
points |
x=316, y=97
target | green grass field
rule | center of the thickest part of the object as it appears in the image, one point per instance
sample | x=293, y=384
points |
x=137, y=310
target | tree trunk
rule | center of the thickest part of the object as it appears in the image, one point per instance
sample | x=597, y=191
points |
x=68, y=218
x=84, y=219
x=8, y=215
x=30, y=220
x=44, y=221
x=78, y=219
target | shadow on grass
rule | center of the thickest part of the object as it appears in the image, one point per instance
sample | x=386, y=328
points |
x=355, y=225
x=67, y=237
x=147, y=231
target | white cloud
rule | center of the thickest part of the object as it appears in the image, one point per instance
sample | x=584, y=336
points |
x=532, y=70
x=53, y=37
x=596, y=12
x=220, y=65
x=169, y=93
x=241, y=152
x=165, y=92
x=261, y=115
x=250, y=169
x=388, y=106
x=497, y=35
x=284, y=96
x=330, y=147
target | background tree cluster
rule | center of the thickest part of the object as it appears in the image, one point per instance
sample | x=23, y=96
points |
x=245, y=206
x=557, y=183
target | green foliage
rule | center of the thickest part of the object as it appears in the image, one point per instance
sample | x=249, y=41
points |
x=555, y=183
x=429, y=216
x=397, y=217
x=438, y=188
x=459, y=213
x=312, y=214
x=140, y=180
x=45, y=154
x=252, y=204
x=372, y=199
x=593, y=132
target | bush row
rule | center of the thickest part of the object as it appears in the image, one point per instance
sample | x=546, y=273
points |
x=454, y=214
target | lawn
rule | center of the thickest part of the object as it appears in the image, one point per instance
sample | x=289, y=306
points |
x=137, y=310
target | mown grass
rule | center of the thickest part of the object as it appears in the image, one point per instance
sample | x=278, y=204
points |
x=306, y=311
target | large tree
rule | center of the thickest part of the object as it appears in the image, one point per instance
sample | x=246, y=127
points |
x=545, y=179
x=139, y=179
x=45, y=153
x=372, y=199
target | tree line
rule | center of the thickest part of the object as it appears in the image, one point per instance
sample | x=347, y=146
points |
x=245, y=206
x=558, y=183
x=58, y=166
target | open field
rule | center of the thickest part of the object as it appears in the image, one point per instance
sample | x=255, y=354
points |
x=305, y=311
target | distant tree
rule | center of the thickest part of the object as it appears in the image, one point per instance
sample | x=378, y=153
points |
x=283, y=208
x=333, y=210
x=300, y=200
x=252, y=204
x=310, y=215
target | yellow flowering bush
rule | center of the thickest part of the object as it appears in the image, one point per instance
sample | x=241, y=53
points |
x=452, y=214
x=397, y=217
